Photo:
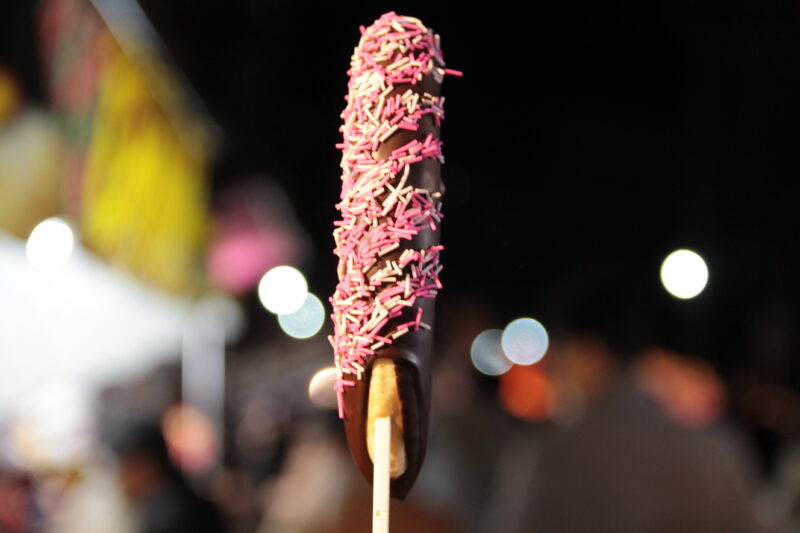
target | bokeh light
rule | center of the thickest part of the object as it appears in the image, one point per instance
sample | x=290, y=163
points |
x=527, y=392
x=687, y=388
x=50, y=245
x=487, y=353
x=320, y=388
x=306, y=321
x=191, y=437
x=525, y=341
x=282, y=290
x=684, y=274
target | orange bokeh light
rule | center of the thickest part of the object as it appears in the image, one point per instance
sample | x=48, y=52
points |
x=527, y=392
x=190, y=437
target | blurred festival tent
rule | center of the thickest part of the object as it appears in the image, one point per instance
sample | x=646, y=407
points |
x=124, y=157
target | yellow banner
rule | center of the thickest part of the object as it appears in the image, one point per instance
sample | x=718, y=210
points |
x=144, y=191
x=137, y=146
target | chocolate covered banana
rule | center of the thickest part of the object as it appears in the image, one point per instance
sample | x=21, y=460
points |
x=387, y=241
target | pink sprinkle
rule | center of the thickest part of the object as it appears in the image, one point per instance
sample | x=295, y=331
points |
x=365, y=236
x=405, y=147
x=378, y=327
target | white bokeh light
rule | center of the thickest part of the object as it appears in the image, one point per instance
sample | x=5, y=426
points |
x=525, y=341
x=487, y=354
x=684, y=274
x=320, y=388
x=50, y=245
x=283, y=290
x=306, y=321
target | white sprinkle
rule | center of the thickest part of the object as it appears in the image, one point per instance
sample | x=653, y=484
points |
x=389, y=249
x=400, y=332
x=389, y=133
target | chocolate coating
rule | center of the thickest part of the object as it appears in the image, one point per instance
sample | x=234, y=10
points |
x=412, y=351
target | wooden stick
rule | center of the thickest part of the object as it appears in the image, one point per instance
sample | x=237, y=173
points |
x=380, y=475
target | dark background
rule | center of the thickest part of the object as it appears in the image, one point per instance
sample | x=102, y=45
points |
x=582, y=146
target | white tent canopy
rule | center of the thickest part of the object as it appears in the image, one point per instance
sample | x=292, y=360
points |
x=86, y=323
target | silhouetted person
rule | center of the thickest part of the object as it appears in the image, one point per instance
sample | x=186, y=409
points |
x=162, y=501
x=627, y=468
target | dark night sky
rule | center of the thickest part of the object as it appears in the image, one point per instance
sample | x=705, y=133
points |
x=582, y=146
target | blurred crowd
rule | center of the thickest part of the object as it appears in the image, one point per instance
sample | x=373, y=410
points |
x=586, y=440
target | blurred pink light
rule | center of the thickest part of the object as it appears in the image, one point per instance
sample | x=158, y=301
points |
x=238, y=260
